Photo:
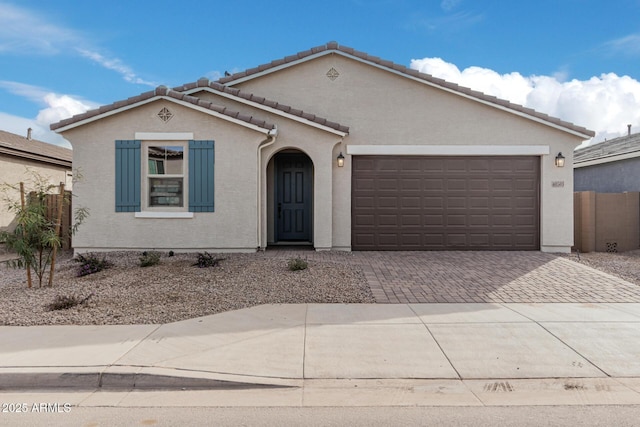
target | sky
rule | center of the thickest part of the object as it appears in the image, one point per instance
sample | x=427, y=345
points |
x=578, y=60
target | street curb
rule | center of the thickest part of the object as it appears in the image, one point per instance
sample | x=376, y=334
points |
x=118, y=381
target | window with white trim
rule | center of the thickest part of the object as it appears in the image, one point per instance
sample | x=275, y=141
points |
x=165, y=175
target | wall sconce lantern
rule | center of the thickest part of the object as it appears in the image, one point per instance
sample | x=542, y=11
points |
x=560, y=160
x=340, y=160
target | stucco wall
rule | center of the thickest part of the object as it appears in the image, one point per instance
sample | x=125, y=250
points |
x=321, y=146
x=614, y=177
x=14, y=170
x=607, y=222
x=382, y=108
x=231, y=227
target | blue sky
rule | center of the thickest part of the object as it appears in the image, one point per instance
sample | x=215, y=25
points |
x=575, y=59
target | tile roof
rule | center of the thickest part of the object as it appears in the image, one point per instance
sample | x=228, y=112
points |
x=613, y=147
x=19, y=146
x=162, y=91
x=335, y=47
x=205, y=83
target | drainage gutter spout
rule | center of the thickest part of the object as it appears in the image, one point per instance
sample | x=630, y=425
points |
x=270, y=140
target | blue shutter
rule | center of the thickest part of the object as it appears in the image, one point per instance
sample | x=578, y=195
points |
x=201, y=167
x=128, y=176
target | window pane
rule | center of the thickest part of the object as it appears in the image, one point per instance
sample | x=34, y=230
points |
x=167, y=160
x=165, y=192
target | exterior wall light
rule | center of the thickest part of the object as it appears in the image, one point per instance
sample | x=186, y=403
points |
x=560, y=160
x=340, y=160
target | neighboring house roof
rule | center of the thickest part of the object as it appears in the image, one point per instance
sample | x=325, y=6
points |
x=161, y=92
x=334, y=47
x=625, y=147
x=31, y=149
x=205, y=84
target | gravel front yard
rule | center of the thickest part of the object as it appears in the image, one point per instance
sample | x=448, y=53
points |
x=625, y=265
x=174, y=289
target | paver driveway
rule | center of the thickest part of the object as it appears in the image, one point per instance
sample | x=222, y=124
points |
x=463, y=277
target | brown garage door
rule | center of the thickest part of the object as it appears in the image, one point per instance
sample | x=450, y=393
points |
x=445, y=203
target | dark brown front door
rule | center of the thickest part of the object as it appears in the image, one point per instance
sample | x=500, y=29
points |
x=445, y=203
x=293, y=198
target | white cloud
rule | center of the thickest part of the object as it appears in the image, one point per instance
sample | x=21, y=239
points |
x=628, y=45
x=116, y=65
x=24, y=32
x=605, y=104
x=40, y=131
x=55, y=108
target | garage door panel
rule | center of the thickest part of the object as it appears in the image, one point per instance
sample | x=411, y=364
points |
x=364, y=202
x=411, y=165
x=459, y=184
x=480, y=240
x=411, y=202
x=455, y=164
x=456, y=240
x=364, y=220
x=386, y=202
x=410, y=184
x=437, y=220
x=361, y=184
x=441, y=203
x=479, y=221
x=502, y=184
x=388, y=220
x=411, y=220
x=456, y=202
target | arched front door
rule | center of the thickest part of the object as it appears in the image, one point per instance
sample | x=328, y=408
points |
x=294, y=197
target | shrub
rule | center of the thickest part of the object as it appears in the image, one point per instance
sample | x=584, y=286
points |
x=149, y=258
x=91, y=263
x=207, y=260
x=64, y=302
x=297, y=264
x=35, y=238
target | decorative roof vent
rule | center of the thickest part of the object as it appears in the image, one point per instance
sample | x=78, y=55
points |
x=333, y=74
x=165, y=115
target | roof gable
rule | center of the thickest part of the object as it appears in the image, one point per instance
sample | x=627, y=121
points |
x=262, y=103
x=19, y=146
x=162, y=92
x=335, y=48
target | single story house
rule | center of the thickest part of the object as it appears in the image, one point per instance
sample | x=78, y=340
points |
x=329, y=147
x=23, y=156
x=611, y=166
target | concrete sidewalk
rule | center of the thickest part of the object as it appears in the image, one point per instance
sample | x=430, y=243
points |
x=285, y=345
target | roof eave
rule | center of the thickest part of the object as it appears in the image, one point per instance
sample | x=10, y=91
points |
x=272, y=110
x=36, y=157
x=605, y=159
x=230, y=81
x=137, y=104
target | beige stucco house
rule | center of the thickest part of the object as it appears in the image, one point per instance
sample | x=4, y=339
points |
x=329, y=147
x=22, y=159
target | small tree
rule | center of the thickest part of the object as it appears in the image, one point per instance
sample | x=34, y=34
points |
x=34, y=238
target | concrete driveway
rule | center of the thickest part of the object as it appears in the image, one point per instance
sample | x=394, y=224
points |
x=475, y=277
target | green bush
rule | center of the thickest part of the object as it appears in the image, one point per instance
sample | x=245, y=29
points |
x=149, y=258
x=90, y=263
x=297, y=264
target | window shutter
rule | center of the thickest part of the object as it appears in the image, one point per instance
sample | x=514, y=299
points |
x=201, y=168
x=128, y=176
